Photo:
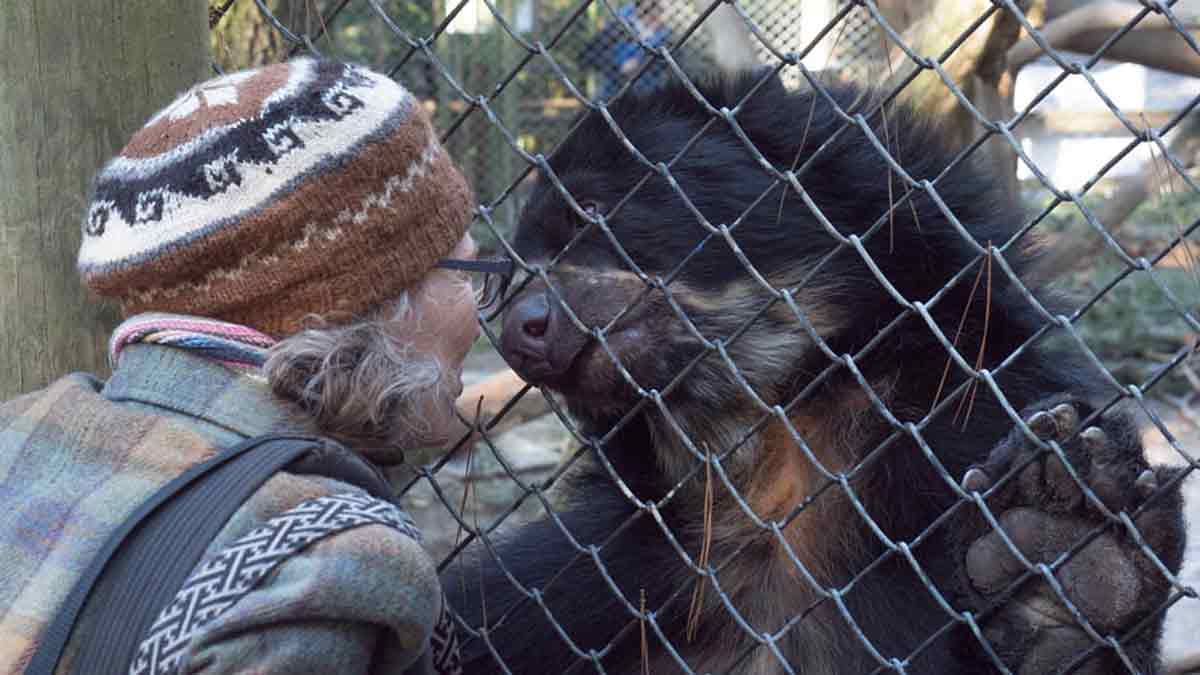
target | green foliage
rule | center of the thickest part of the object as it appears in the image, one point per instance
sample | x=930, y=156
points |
x=243, y=38
x=1137, y=326
x=360, y=34
x=357, y=32
x=1154, y=217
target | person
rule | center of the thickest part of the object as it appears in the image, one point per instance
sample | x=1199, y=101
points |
x=617, y=55
x=275, y=239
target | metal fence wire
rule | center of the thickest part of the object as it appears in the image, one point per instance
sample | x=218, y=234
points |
x=580, y=57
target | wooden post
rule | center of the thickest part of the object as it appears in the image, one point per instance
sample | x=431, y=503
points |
x=77, y=78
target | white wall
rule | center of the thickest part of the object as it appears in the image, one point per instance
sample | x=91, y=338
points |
x=1069, y=159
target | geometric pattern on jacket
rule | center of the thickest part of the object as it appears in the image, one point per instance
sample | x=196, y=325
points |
x=219, y=582
x=443, y=644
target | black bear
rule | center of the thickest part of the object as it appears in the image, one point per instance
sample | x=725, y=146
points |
x=797, y=380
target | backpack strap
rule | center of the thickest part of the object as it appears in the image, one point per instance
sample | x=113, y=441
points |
x=226, y=577
x=160, y=543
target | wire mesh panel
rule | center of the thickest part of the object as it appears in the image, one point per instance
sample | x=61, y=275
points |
x=822, y=412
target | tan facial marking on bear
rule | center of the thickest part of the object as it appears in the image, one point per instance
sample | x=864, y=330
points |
x=598, y=276
x=729, y=298
x=742, y=300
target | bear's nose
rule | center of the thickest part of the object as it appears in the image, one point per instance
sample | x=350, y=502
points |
x=524, y=340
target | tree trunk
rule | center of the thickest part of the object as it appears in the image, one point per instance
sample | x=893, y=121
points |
x=77, y=77
x=244, y=37
x=978, y=66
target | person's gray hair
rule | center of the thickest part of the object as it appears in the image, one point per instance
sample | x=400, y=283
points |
x=358, y=383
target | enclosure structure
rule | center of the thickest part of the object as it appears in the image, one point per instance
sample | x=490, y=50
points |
x=57, y=126
x=508, y=82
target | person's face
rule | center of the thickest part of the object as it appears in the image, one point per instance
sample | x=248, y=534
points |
x=445, y=303
x=445, y=327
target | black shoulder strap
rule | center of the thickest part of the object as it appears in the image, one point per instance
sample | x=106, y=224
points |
x=147, y=559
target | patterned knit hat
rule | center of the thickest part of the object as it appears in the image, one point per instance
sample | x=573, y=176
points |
x=308, y=187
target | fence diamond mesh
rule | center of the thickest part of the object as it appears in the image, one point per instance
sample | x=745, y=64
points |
x=520, y=81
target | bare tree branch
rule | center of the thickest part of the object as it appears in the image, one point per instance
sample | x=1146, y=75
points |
x=1154, y=42
x=1185, y=146
x=978, y=67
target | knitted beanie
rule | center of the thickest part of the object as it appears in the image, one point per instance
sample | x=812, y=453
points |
x=265, y=196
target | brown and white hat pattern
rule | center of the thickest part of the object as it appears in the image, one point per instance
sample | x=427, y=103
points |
x=261, y=197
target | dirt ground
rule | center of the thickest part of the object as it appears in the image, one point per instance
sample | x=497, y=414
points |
x=533, y=452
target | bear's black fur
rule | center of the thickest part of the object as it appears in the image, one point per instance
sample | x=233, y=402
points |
x=867, y=467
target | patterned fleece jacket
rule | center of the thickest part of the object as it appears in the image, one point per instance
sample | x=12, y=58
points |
x=77, y=457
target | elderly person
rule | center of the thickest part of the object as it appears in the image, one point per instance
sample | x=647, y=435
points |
x=275, y=239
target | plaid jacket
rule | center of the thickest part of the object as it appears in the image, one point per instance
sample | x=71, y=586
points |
x=77, y=457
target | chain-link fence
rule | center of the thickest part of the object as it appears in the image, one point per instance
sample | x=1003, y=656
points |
x=598, y=49
x=831, y=520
